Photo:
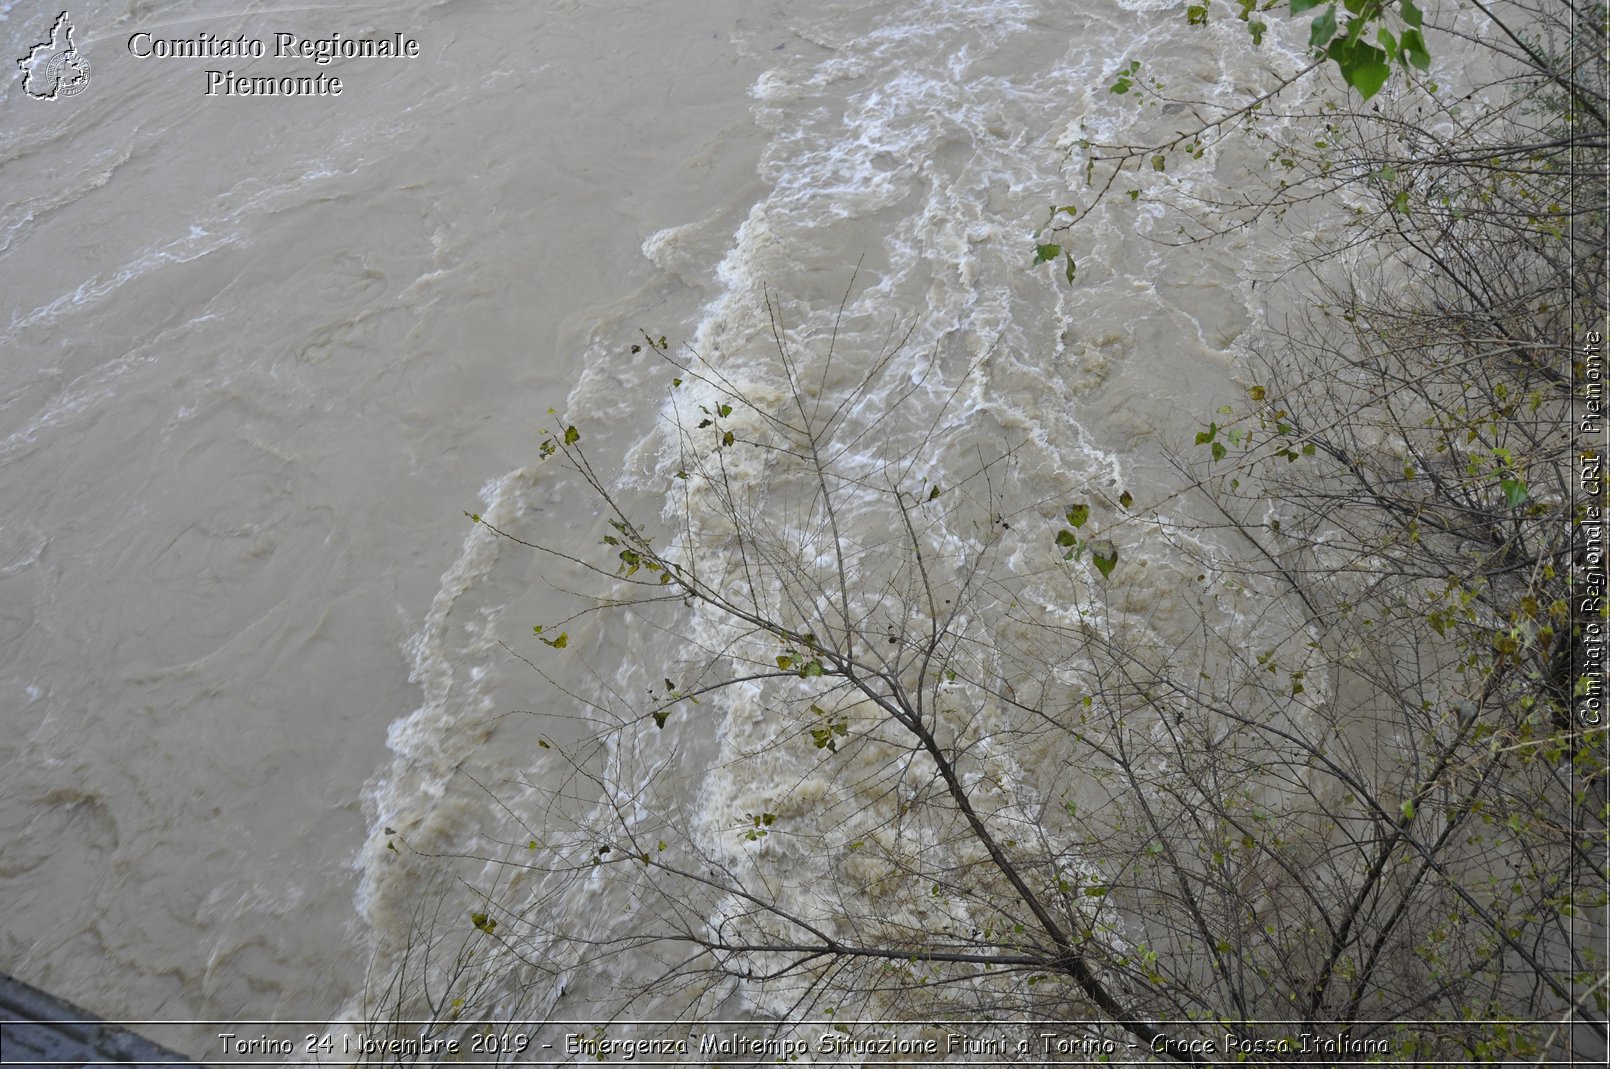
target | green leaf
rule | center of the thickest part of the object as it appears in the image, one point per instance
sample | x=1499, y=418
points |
x=1068, y=272
x=1159, y=161
x=572, y=436
x=1196, y=15
x=1322, y=29
x=933, y=493
x=1514, y=491
x=1104, y=555
x=1078, y=514
x=1204, y=437
x=1218, y=450
x=1407, y=809
x=559, y=643
x=724, y=410
x=1066, y=538
x=1364, y=67
x=1046, y=253
x=1388, y=43
x=1410, y=13
x=1125, y=499
x=1413, y=50
x=1257, y=30
x=1299, y=6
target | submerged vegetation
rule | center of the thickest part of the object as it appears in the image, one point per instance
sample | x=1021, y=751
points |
x=1345, y=799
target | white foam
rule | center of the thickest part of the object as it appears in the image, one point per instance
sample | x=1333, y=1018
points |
x=895, y=141
x=428, y=743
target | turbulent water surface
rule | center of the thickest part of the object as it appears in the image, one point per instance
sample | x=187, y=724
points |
x=258, y=355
